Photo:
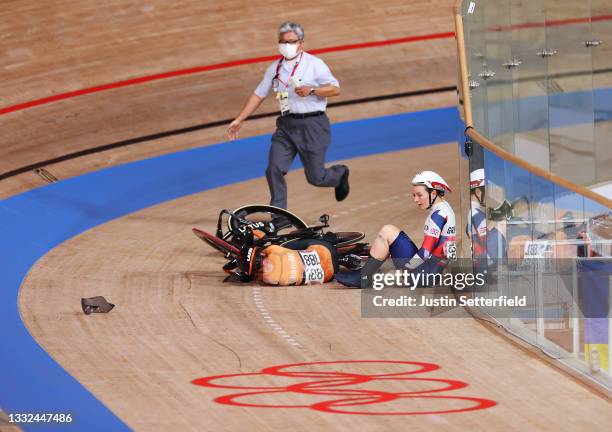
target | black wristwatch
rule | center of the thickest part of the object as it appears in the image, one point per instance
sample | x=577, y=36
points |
x=311, y=92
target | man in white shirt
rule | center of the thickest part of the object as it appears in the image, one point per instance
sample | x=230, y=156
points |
x=301, y=83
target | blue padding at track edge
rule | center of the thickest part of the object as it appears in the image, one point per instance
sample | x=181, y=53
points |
x=34, y=222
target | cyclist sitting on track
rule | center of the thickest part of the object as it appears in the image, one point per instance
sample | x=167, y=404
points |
x=439, y=236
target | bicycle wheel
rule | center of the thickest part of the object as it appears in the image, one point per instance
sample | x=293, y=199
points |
x=283, y=220
x=219, y=244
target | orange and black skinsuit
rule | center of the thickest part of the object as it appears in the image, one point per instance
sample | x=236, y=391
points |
x=300, y=262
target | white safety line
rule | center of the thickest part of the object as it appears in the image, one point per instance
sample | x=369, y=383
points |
x=265, y=314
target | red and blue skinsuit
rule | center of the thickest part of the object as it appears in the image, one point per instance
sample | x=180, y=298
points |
x=438, y=242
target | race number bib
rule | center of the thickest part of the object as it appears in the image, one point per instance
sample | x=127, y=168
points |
x=537, y=250
x=283, y=101
x=451, y=250
x=313, y=271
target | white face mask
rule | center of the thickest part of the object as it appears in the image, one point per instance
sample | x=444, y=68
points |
x=287, y=50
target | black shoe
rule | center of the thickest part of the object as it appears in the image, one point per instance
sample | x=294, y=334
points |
x=280, y=222
x=351, y=279
x=342, y=190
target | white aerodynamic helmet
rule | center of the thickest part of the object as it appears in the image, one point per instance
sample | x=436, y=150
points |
x=431, y=180
x=477, y=178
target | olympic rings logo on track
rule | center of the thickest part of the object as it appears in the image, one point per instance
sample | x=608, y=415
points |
x=330, y=383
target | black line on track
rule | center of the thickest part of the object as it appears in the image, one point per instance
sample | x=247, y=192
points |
x=209, y=125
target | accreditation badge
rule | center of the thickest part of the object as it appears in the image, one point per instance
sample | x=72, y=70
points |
x=283, y=101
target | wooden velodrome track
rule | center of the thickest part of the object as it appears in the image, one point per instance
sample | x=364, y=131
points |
x=175, y=321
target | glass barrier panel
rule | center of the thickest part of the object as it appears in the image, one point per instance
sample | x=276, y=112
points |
x=562, y=249
x=530, y=83
x=495, y=257
x=524, y=274
x=551, y=247
x=570, y=90
x=535, y=94
x=601, y=49
x=496, y=76
x=474, y=27
x=594, y=284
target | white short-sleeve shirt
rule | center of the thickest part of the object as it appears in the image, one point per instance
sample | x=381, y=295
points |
x=312, y=72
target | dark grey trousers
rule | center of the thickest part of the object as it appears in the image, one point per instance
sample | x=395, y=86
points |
x=309, y=137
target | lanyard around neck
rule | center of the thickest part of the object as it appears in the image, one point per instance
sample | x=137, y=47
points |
x=278, y=66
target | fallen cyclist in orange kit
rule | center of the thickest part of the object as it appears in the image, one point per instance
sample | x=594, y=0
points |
x=275, y=247
x=312, y=262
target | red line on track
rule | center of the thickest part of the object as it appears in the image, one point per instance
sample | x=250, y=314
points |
x=206, y=68
x=236, y=63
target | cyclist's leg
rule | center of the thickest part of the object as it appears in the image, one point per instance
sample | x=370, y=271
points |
x=378, y=253
x=381, y=246
x=402, y=250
